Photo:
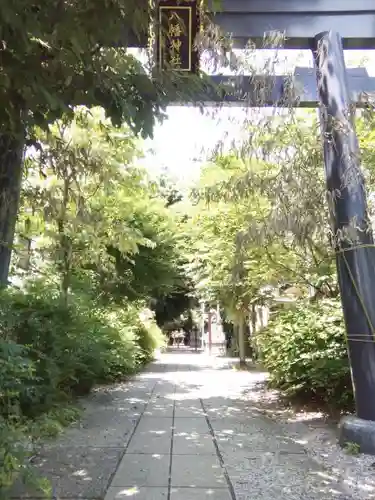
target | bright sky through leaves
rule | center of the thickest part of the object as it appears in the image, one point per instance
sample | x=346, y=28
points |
x=182, y=142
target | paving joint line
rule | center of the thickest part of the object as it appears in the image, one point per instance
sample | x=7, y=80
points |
x=218, y=453
x=171, y=450
x=57, y=498
x=128, y=443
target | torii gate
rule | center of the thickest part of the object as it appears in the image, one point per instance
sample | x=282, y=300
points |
x=312, y=24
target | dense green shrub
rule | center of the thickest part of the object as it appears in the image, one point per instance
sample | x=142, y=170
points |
x=65, y=351
x=12, y=453
x=138, y=336
x=49, y=353
x=149, y=336
x=304, y=350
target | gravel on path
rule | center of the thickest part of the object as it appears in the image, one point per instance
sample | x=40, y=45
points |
x=191, y=427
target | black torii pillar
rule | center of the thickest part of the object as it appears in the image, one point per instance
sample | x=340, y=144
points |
x=356, y=253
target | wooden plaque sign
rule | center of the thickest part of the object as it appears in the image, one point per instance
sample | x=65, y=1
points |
x=178, y=24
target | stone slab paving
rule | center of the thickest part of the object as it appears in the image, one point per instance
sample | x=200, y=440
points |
x=182, y=430
x=219, y=447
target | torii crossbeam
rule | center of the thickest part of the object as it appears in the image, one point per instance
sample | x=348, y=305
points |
x=243, y=91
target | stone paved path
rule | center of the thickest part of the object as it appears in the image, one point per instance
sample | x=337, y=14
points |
x=197, y=439
x=182, y=430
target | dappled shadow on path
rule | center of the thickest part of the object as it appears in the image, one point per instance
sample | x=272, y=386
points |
x=212, y=411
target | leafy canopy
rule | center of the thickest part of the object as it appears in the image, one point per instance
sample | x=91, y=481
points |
x=55, y=55
x=94, y=214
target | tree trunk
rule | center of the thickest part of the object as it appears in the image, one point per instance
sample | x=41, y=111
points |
x=242, y=341
x=253, y=319
x=11, y=163
x=65, y=267
x=254, y=354
x=65, y=243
